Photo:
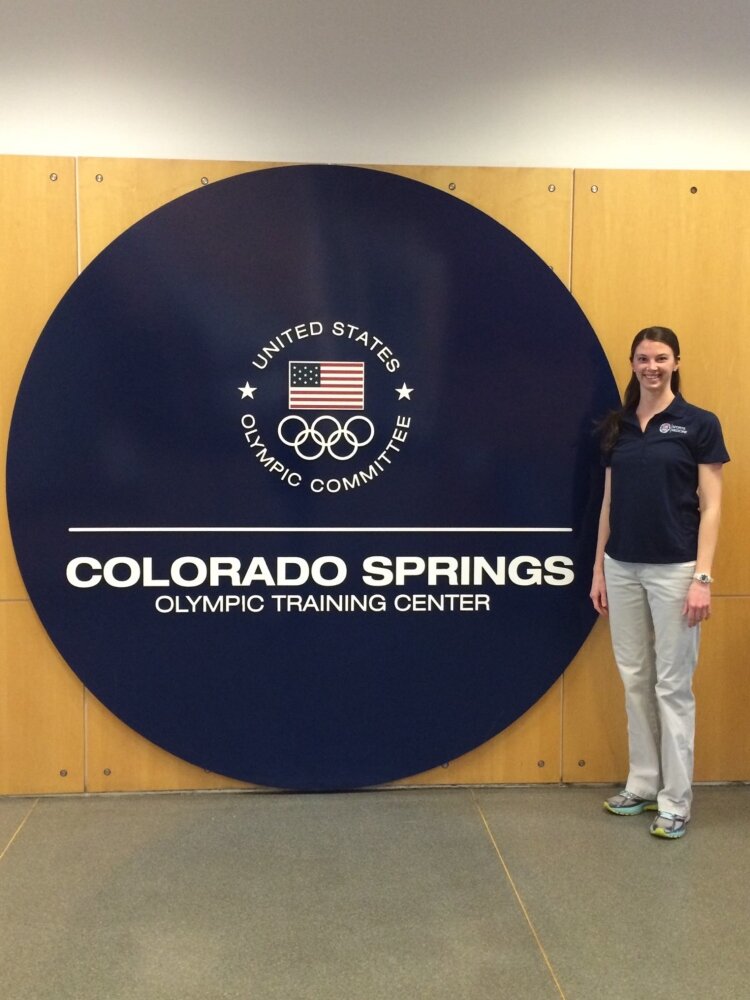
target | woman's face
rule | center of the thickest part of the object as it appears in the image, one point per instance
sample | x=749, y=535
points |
x=653, y=364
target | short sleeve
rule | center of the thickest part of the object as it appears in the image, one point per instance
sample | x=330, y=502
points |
x=710, y=447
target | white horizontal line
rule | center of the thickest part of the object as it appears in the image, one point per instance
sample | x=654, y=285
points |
x=314, y=531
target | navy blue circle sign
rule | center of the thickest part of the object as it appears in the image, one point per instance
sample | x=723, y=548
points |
x=301, y=477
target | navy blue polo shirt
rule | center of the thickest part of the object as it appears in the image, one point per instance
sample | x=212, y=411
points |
x=654, y=514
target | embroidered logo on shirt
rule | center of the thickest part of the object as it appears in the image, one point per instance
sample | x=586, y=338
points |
x=674, y=428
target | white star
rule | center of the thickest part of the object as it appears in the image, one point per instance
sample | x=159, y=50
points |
x=247, y=390
x=404, y=392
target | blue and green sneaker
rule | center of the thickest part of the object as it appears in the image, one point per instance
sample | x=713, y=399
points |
x=625, y=803
x=669, y=825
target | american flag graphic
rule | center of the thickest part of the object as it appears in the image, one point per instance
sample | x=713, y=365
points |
x=326, y=385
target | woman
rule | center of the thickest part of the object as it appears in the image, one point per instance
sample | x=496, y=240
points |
x=658, y=529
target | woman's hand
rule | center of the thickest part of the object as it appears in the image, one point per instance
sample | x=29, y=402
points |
x=599, y=593
x=697, y=605
x=598, y=584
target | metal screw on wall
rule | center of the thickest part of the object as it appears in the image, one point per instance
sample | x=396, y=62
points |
x=99, y=178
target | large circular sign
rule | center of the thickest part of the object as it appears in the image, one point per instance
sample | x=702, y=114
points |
x=300, y=477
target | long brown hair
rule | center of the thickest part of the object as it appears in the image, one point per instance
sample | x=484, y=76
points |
x=609, y=427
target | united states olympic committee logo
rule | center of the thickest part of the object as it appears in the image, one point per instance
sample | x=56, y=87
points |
x=325, y=408
x=334, y=526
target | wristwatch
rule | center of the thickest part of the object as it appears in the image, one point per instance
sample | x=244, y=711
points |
x=703, y=578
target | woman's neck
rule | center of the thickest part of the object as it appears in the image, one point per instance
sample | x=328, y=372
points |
x=648, y=405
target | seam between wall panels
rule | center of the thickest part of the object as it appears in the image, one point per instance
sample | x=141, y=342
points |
x=78, y=215
x=571, y=227
x=563, y=677
x=85, y=713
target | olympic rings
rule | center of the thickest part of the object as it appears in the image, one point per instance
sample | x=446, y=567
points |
x=321, y=442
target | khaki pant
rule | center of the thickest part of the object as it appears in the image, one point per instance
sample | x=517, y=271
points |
x=656, y=654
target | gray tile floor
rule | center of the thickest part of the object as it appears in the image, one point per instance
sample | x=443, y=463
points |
x=433, y=894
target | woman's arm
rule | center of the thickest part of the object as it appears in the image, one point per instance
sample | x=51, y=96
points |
x=698, y=601
x=598, y=586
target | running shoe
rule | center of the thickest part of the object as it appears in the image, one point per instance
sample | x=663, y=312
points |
x=625, y=803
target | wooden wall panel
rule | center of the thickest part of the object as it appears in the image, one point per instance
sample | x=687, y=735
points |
x=649, y=251
x=37, y=265
x=119, y=760
x=722, y=692
x=41, y=709
x=595, y=740
x=41, y=701
x=673, y=248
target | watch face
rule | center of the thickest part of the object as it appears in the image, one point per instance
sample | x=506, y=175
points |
x=302, y=480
